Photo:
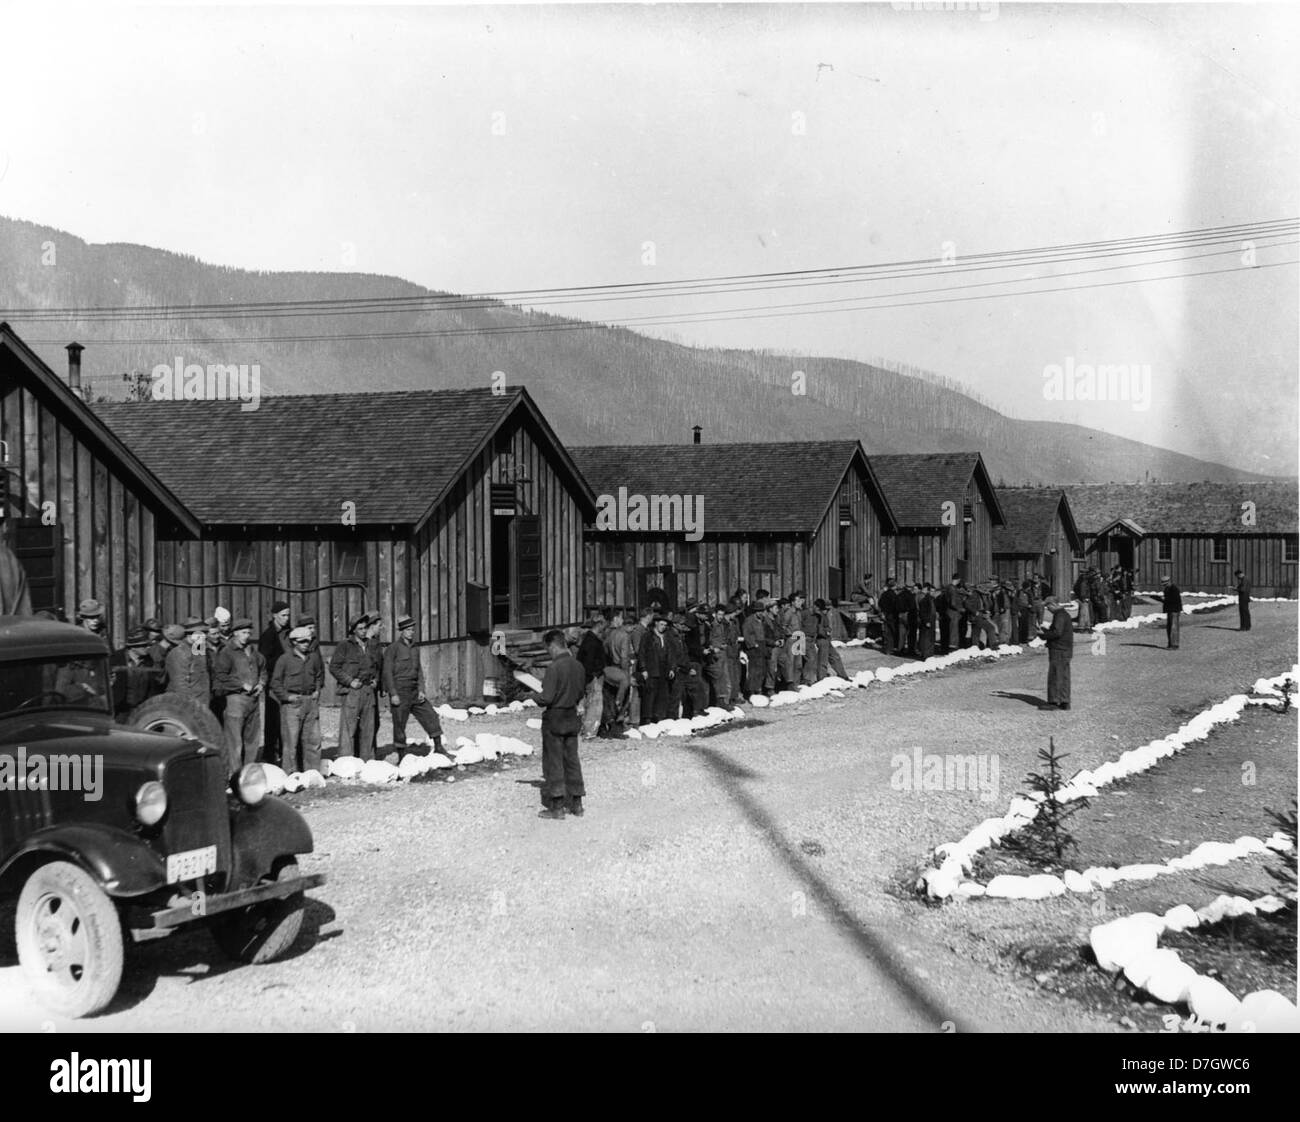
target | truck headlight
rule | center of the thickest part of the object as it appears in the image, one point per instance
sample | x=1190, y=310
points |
x=151, y=803
x=251, y=785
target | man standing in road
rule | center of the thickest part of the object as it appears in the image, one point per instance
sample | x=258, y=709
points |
x=657, y=668
x=404, y=684
x=296, y=683
x=1171, y=600
x=1243, y=599
x=272, y=643
x=1060, y=650
x=355, y=672
x=562, y=688
x=591, y=654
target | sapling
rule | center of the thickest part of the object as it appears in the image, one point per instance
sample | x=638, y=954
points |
x=1283, y=869
x=1047, y=840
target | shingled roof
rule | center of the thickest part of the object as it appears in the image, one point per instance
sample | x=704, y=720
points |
x=748, y=488
x=917, y=485
x=296, y=459
x=1186, y=508
x=1029, y=514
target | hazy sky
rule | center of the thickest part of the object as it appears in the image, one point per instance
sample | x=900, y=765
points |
x=490, y=148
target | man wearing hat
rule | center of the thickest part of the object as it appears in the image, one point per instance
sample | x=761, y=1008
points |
x=1243, y=600
x=172, y=636
x=753, y=634
x=296, y=683
x=656, y=667
x=309, y=622
x=187, y=664
x=377, y=648
x=716, y=664
x=926, y=614
x=404, y=684
x=562, y=688
x=636, y=704
x=1171, y=601
x=1060, y=650
x=90, y=615
x=889, y=612
x=240, y=678
x=355, y=671
x=132, y=672
x=273, y=642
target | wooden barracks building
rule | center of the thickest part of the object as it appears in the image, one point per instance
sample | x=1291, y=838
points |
x=1038, y=536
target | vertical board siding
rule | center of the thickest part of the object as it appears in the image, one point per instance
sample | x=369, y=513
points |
x=1260, y=556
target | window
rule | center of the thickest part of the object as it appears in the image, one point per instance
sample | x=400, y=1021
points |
x=907, y=547
x=1291, y=550
x=1164, y=548
x=688, y=556
x=350, y=561
x=1219, y=550
x=241, y=562
x=611, y=555
x=762, y=557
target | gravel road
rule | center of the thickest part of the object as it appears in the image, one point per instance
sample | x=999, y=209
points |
x=745, y=880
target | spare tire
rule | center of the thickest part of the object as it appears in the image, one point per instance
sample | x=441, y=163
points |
x=174, y=715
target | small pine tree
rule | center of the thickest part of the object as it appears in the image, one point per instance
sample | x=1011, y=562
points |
x=1047, y=840
x=1288, y=687
x=1283, y=870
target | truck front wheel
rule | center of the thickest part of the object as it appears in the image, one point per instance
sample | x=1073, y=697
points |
x=69, y=940
x=262, y=932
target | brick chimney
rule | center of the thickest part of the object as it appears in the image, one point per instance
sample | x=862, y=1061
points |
x=697, y=430
x=74, y=367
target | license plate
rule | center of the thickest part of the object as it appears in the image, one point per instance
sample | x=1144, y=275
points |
x=191, y=864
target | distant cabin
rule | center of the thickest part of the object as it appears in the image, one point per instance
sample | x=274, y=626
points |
x=780, y=516
x=459, y=507
x=946, y=509
x=1038, y=536
x=77, y=505
x=1197, y=532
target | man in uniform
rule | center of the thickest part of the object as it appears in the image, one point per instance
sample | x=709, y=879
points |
x=889, y=612
x=187, y=665
x=1243, y=600
x=1060, y=650
x=239, y=676
x=657, y=667
x=296, y=683
x=272, y=643
x=355, y=672
x=404, y=684
x=562, y=688
x=1171, y=601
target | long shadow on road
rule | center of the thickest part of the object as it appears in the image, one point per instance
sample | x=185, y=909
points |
x=731, y=775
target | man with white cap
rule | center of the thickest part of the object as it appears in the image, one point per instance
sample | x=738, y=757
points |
x=296, y=683
x=240, y=677
x=1060, y=650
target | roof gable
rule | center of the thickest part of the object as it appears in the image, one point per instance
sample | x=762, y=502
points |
x=1187, y=508
x=297, y=459
x=30, y=371
x=917, y=485
x=1030, y=513
x=748, y=488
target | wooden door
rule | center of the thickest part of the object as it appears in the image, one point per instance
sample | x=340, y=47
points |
x=526, y=530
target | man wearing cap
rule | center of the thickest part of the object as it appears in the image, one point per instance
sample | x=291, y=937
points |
x=889, y=611
x=309, y=622
x=173, y=635
x=715, y=658
x=1243, y=600
x=1060, y=650
x=90, y=615
x=906, y=620
x=296, y=683
x=240, y=678
x=657, y=667
x=377, y=648
x=213, y=642
x=187, y=664
x=132, y=672
x=355, y=672
x=1171, y=602
x=273, y=642
x=154, y=629
x=590, y=654
x=642, y=626
x=619, y=657
x=753, y=633
x=925, y=619
x=563, y=686
x=404, y=684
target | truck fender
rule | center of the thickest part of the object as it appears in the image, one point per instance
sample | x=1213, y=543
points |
x=123, y=865
x=261, y=835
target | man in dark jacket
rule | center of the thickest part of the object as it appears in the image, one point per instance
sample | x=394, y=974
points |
x=1060, y=650
x=951, y=613
x=889, y=612
x=656, y=667
x=403, y=678
x=563, y=686
x=754, y=635
x=1171, y=600
x=296, y=683
x=716, y=664
x=925, y=619
x=134, y=675
x=1243, y=600
x=187, y=664
x=239, y=675
x=272, y=643
x=907, y=620
x=355, y=672
x=591, y=655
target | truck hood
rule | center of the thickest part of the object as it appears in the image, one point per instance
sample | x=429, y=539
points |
x=68, y=731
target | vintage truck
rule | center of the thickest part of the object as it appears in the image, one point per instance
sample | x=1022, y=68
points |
x=107, y=829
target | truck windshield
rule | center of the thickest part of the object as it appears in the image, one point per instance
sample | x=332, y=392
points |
x=77, y=681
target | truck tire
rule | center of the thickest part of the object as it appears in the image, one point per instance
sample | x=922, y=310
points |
x=262, y=932
x=177, y=716
x=69, y=937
